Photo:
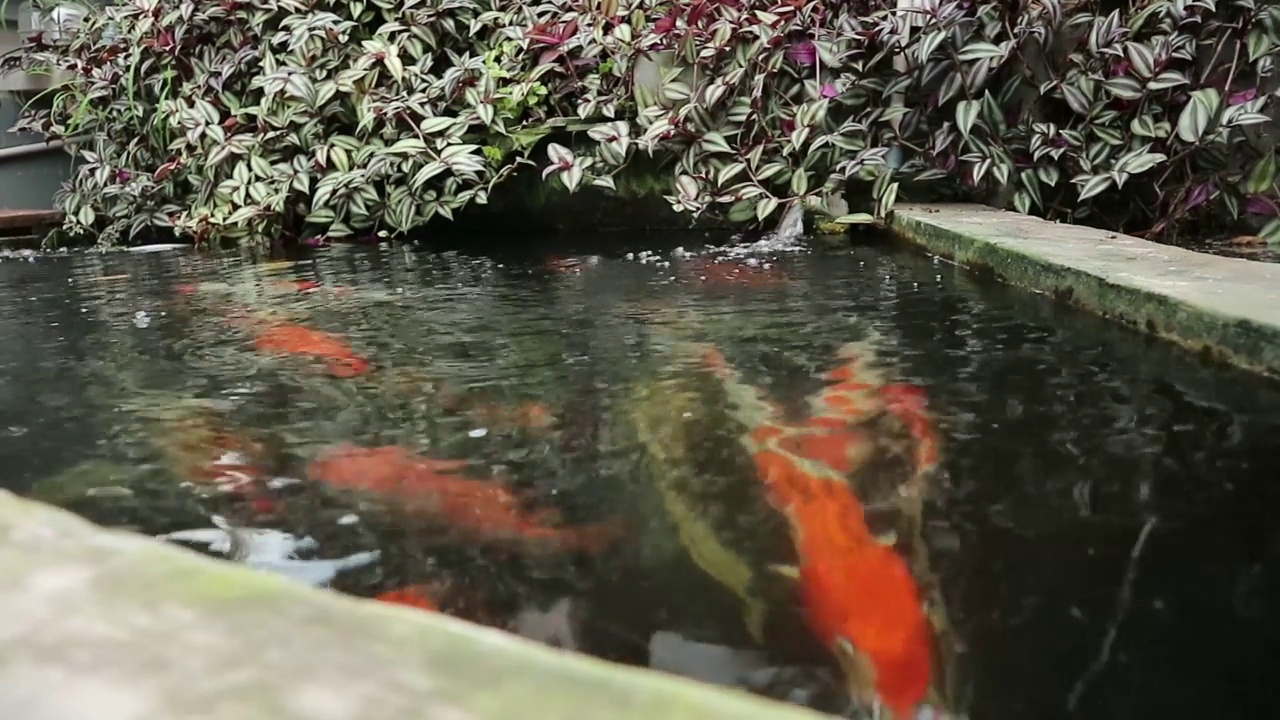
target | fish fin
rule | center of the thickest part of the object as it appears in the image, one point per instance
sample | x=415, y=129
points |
x=888, y=538
x=754, y=615
x=790, y=572
x=859, y=673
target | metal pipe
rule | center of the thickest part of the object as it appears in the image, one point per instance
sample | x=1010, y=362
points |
x=37, y=148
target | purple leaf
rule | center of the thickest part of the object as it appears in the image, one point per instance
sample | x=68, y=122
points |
x=802, y=53
x=1198, y=195
x=1244, y=96
x=828, y=90
x=1261, y=205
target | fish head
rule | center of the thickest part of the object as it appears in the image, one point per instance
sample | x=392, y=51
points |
x=868, y=607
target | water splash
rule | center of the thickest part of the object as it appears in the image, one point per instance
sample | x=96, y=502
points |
x=791, y=227
x=785, y=238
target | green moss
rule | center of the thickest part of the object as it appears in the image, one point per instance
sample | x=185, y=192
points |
x=1241, y=341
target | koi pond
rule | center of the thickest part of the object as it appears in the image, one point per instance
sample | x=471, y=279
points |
x=856, y=479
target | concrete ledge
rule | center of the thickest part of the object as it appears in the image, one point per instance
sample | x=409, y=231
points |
x=1226, y=307
x=108, y=625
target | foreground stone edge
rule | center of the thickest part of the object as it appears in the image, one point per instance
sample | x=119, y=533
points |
x=1228, y=308
x=106, y=624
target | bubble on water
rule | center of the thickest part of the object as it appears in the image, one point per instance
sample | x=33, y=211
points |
x=276, y=483
x=141, y=319
x=478, y=433
x=349, y=519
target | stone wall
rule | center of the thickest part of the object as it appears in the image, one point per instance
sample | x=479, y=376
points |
x=109, y=625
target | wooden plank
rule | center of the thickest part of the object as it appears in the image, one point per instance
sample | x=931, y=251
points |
x=27, y=219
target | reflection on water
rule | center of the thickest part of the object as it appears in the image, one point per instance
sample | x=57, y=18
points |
x=524, y=440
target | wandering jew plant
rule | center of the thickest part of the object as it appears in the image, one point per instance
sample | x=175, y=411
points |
x=255, y=118
x=251, y=118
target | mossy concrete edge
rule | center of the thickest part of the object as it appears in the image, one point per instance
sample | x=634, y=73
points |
x=110, y=625
x=1227, y=308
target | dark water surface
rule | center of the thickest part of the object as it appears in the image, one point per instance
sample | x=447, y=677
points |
x=1064, y=437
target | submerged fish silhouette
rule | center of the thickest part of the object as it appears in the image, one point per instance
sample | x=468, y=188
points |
x=482, y=509
x=730, y=272
x=419, y=596
x=529, y=416
x=293, y=339
x=202, y=451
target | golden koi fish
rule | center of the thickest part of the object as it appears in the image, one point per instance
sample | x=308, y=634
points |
x=665, y=419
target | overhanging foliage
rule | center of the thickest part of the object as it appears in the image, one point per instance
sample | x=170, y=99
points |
x=245, y=119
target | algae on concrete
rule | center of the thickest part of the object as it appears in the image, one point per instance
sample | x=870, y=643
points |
x=110, y=625
x=1226, y=307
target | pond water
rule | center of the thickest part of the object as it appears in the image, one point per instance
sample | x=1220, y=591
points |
x=1097, y=541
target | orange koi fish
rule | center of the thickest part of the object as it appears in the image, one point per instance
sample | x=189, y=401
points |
x=419, y=596
x=908, y=402
x=733, y=273
x=481, y=508
x=860, y=597
x=857, y=393
x=293, y=339
x=442, y=597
